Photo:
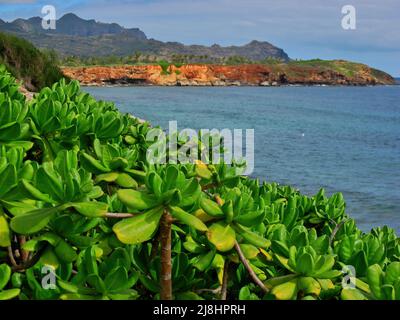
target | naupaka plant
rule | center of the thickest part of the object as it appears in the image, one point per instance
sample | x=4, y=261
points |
x=79, y=198
x=166, y=196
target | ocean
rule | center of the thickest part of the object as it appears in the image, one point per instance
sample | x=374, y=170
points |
x=344, y=139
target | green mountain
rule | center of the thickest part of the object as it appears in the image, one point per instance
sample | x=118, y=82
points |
x=85, y=38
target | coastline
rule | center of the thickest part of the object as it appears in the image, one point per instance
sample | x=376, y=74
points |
x=229, y=76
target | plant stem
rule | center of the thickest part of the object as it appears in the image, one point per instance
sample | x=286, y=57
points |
x=11, y=256
x=166, y=264
x=224, y=288
x=337, y=227
x=29, y=263
x=154, y=246
x=119, y=215
x=209, y=186
x=24, y=253
x=251, y=272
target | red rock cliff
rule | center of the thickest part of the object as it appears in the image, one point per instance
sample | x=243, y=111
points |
x=218, y=75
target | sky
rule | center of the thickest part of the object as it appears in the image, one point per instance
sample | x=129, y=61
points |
x=304, y=29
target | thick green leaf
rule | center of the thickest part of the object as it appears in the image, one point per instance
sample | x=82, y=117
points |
x=211, y=208
x=352, y=294
x=222, y=236
x=34, y=193
x=9, y=294
x=140, y=228
x=252, y=238
x=305, y=264
x=33, y=221
x=285, y=291
x=375, y=279
x=5, y=274
x=5, y=237
x=136, y=200
x=116, y=279
x=204, y=261
x=8, y=179
x=188, y=219
x=91, y=209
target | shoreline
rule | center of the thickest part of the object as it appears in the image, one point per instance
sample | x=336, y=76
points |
x=338, y=73
x=95, y=85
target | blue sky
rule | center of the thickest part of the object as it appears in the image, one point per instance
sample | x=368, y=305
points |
x=304, y=29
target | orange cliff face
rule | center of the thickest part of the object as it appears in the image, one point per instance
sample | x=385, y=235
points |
x=218, y=75
x=196, y=75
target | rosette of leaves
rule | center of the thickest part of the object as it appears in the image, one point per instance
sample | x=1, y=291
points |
x=204, y=256
x=184, y=277
x=13, y=168
x=9, y=86
x=236, y=215
x=166, y=198
x=166, y=189
x=306, y=258
x=381, y=284
x=62, y=117
x=384, y=284
x=387, y=236
x=327, y=210
x=100, y=277
x=54, y=188
x=235, y=221
x=361, y=252
x=215, y=175
x=113, y=164
x=14, y=129
x=138, y=134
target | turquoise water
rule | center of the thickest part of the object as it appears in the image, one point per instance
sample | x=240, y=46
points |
x=344, y=139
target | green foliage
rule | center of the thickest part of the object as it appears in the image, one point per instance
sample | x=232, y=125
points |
x=37, y=69
x=77, y=194
x=165, y=66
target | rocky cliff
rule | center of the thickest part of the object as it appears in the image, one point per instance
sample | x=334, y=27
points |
x=334, y=73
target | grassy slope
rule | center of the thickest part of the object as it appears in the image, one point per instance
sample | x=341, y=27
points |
x=36, y=69
x=346, y=68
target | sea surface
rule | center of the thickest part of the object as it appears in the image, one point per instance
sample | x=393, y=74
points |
x=344, y=139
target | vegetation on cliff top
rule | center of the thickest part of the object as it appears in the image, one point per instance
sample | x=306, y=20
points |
x=294, y=71
x=78, y=196
x=35, y=68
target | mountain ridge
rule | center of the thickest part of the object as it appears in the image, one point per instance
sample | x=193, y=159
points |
x=80, y=37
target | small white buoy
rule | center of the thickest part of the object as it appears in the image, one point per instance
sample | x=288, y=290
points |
x=302, y=134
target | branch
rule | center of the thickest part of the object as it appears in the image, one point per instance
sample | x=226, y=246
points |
x=209, y=186
x=166, y=263
x=224, y=289
x=11, y=256
x=29, y=263
x=24, y=253
x=251, y=272
x=119, y=215
x=337, y=227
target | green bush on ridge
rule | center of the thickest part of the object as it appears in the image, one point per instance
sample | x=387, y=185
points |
x=36, y=68
x=77, y=195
